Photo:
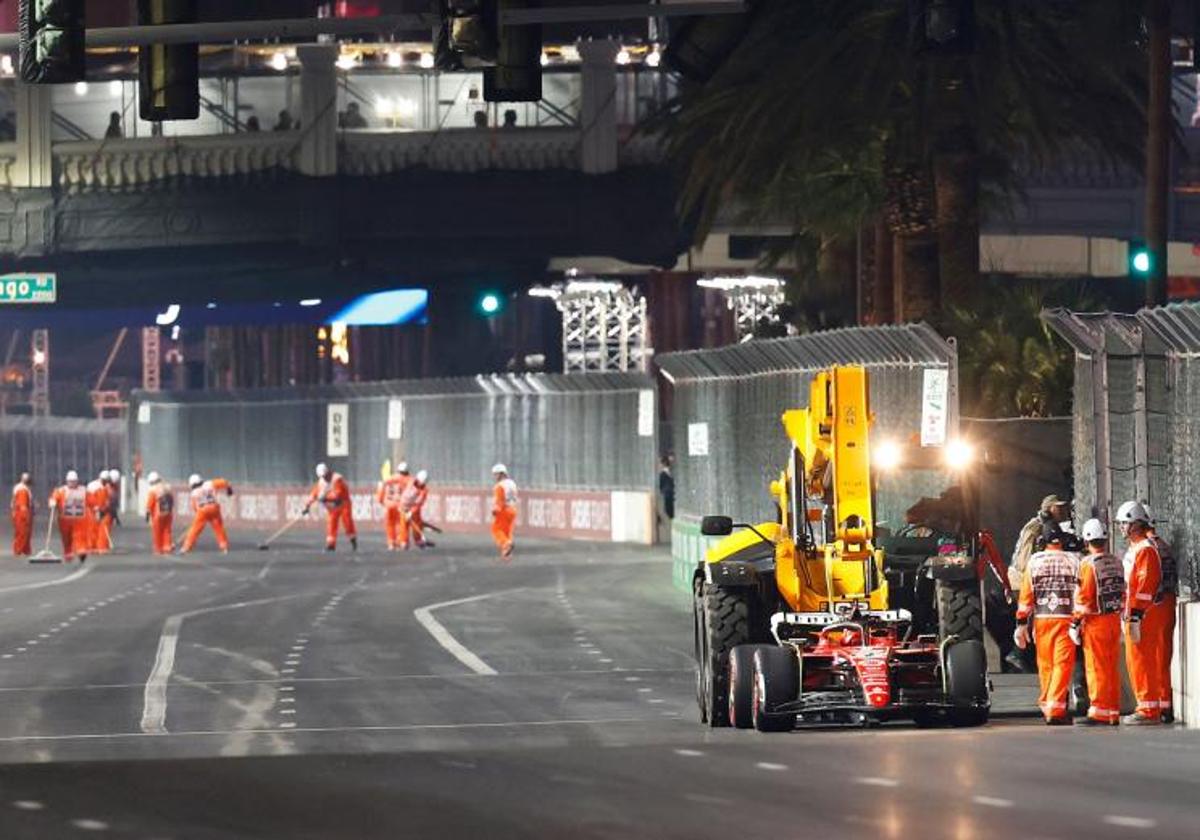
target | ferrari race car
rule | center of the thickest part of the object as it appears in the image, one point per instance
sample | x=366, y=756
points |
x=863, y=669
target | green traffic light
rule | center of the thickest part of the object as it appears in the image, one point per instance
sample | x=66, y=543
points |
x=1140, y=261
x=489, y=303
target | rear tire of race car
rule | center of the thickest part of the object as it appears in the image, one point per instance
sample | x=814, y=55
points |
x=776, y=681
x=959, y=610
x=966, y=683
x=741, y=686
x=723, y=623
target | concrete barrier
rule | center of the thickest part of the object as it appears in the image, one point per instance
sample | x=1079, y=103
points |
x=601, y=516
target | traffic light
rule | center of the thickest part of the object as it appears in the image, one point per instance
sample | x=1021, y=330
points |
x=942, y=27
x=168, y=74
x=471, y=35
x=489, y=304
x=52, y=41
x=1141, y=260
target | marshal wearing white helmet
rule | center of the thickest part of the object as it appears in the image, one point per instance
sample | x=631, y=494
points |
x=160, y=513
x=1096, y=624
x=412, y=502
x=1149, y=615
x=504, y=510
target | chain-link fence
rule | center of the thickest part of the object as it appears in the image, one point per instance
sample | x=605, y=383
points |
x=47, y=447
x=727, y=406
x=1136, y=434
x=554, y=432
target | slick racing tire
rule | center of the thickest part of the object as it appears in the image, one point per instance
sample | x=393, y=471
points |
x=741, y=686
x=722, y=623
x=959, y=610
x=776, y=681
x=966, y=683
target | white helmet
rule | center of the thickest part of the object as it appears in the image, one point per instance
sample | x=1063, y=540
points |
x=153, y=477
x=103, y=475
x=1132, y=512
x=72, y=476
x=114, y=476
x=402, y=467
x=322, y=470
x=422, y=476
x=499, y=468
x=194, y=480
x=1093, y=530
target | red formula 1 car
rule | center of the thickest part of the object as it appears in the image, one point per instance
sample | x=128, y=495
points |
x=864, y=669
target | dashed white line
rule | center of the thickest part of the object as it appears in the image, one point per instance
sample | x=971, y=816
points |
x=689, y=753
x=28, y=805
x=876, y=781
x=90, y=825
x=1130, y=822
x=767, y=765
x=992, y=801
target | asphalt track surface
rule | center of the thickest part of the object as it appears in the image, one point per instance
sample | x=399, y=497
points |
x=295, y=694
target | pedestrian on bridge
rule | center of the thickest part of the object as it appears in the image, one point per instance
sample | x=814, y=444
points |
x=75, y=517
x=206, y=510
x=22, y=516
x=332, y=491
x=1097, y=624
x=504, y=510
x=160, y=513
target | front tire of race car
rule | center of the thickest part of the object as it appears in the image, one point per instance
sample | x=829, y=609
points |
x=776, y=681
x=722, y=623
x=966, y=683
x=741, y=686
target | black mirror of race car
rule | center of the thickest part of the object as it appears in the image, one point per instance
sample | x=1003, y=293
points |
x=716, y=526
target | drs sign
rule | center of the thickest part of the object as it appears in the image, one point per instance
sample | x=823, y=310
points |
x=28, y=288
x=337, y=441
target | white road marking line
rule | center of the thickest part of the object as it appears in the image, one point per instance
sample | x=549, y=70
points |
x=71, y=578
x=1130, y=822
x=689, y=753
x=287, y=699
x=154, y=702
x=767, y=765
x=43, y=635
x=28, y=805
x=22, y=650
x=441, y=635
x=7, y=656
x=288, y=671
x=605, y=661
x=644, y=690
x=876, y=781
x=656, y=700
x=992, y=802
x=325, y=730
x=287, y=688
x=287, y=711
x=90, y=825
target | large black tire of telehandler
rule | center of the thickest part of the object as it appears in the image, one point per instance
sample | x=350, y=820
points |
x=959, y=610
x=722, y=622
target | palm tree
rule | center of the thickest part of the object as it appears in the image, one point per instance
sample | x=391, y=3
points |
x=824, y=117
x=1010, y=362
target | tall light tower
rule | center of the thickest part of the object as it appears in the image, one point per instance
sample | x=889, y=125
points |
x=604, y=325
x=752, y=299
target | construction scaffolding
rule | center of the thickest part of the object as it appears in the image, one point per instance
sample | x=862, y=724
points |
x=604, y=327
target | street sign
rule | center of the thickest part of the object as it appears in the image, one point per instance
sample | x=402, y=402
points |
x=28, y=288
